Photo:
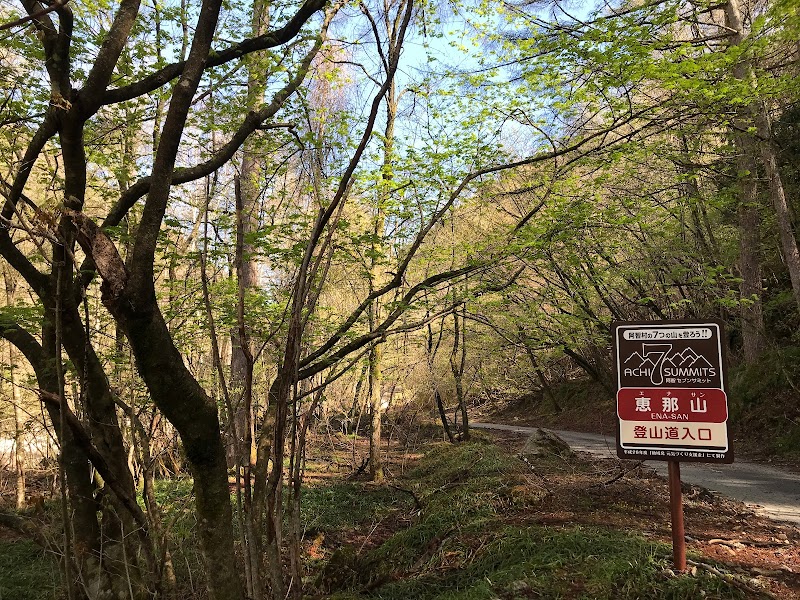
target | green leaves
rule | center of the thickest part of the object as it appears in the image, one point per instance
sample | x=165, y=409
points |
x=26, y=316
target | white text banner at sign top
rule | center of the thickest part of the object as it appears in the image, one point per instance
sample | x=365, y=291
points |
x=668, y=333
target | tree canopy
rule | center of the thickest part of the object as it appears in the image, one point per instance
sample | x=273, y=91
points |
x=223, y=222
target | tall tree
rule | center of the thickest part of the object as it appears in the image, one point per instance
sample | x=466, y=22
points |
x=387, y=25
x=128, y=287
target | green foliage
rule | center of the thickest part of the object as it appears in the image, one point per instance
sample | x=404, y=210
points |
x=175, y=497
x=21, y=314
x=764, y=402
x=346, y=505
x=27, y=572
x=574, y=562
x=458, y=487
x=462, y=546
x=776, y=370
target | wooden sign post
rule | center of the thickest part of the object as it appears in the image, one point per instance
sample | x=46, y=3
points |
x=676, y=514
x=671, y=400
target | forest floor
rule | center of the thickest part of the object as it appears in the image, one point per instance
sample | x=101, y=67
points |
x=719, y=530
x=490, y=525
x=475, y=521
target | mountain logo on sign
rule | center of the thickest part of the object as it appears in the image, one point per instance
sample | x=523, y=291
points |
x=640, y=361
x=659, y=361
x=687, y=358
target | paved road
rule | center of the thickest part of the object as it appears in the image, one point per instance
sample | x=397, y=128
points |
x=770, y=492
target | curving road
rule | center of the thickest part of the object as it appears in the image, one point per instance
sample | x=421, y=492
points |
x=768, y=491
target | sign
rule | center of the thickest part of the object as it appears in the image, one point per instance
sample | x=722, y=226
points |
x=671, y=399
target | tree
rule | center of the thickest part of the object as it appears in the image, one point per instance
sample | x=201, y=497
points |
x=695, y=78
x=101, y=222
x=128, y=287
x=390, y=27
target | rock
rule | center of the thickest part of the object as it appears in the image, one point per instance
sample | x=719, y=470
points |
x=546, y=443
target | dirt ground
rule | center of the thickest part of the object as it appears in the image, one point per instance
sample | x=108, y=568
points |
x=761, y=555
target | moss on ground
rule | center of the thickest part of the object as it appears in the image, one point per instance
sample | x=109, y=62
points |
x=475, y=538
x=470, y=522
x=27, y=572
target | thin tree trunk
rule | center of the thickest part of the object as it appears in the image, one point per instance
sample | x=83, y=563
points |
x=757, y=114
x=19, y=427
x=19, y=432
x=750, y=288
x=547, y=390
x=431, y=349
x=600, y=377
x=791, y=253
x=247, y=211
x=458, y=359
x=443, y=415
x=391, y=27
x=703, y=233
x=62, y=469
x=376, y=408
x=243, y=417
x=166, y=579
x=247, y=190
x=357, y=407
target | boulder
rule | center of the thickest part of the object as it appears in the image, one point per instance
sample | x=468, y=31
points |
x=546, y=443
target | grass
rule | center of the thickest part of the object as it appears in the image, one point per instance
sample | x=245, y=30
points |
x=175, y=497
x=27, y=572
x=345, y=505
x=465, y=524
x=475, y=539
x=541, y=562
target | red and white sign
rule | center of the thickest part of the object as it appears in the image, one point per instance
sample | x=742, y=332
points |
x=672, y=404
x=671, y=399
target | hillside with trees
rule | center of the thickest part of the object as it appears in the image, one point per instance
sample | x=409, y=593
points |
x=241, y=239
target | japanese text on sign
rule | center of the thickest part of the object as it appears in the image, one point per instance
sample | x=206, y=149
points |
x=670, y=391
x=694, y=333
